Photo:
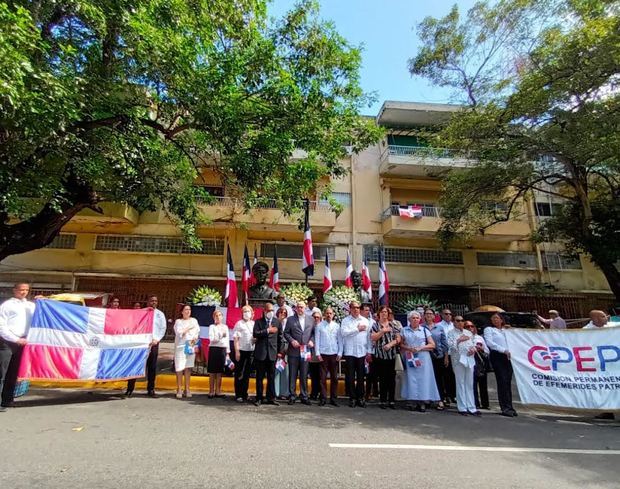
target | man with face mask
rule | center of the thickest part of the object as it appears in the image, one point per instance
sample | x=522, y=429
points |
x=268, y=335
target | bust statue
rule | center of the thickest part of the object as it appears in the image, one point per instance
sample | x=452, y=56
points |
x=356, y=278
x=260, y=290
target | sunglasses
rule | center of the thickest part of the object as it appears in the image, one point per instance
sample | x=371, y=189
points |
x=459, y=320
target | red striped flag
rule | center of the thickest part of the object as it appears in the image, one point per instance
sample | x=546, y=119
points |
x=252, y=280
x=327, y=275
x=274, y=276
x=366, y=282
x=384, y=282
x=308, y=257
x=246, y=273
x=231, y=296
x=348, y=280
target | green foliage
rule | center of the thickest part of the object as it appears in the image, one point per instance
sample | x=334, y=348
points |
x=541, y=109
x=130, y=101
x=339, y=298
x=205, y=295
x=537, y=288
x=296, y=292
x=413, y=302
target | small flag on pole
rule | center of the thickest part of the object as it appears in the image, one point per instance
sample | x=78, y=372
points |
x=274, y=277
x=252, y=280
x=384, y=283
x=308, y=257
x=246, y=273
x=327, y=275
x=232, y=300
x=348, y=280
x=366, y=282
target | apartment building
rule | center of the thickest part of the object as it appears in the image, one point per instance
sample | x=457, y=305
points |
x=131, y=254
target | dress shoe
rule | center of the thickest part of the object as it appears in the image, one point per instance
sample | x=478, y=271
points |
x=291, y=401
x=257, y=402
x=351, y=403
x=333, y=402
x=463, y=413
x=239, y=400
x=306, y=402
x=128, y=393
x=382, y=405
x=273, y=402
x=361, y=404
x=10, y=404
x=2, y=409
x=392, y=405
x=507, y=414
x=474, y=413
x=322, y=402
x=152, y=394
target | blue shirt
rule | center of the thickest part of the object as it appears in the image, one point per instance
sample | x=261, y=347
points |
x=327, y=339
x=441, y=342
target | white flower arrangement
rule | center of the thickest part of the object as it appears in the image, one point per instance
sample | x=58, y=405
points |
x=338, y=298
x=205, y=296
x=296, y=292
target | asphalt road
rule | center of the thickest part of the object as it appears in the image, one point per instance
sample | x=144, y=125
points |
x=64, y=438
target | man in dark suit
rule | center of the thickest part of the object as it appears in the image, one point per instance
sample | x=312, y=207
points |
x=268, y=334
x=299, y=333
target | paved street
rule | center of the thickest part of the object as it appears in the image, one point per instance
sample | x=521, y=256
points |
x=64, y=438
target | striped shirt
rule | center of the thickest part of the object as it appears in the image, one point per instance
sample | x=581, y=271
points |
x=377, y=346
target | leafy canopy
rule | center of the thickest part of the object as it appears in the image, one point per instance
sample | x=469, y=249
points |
x=131, y=100
x=538, y=81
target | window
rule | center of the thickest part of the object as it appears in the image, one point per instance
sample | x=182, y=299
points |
x=556, y=261
x=215, y=191
x=295, y=250
x=514, y=260
x=63, y=242
x=343, y=198
x=151, y=244
x=547, y=209
x=414, y=255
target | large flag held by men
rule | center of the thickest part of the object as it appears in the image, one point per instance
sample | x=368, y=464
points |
x=70, y=342
x=308, y=256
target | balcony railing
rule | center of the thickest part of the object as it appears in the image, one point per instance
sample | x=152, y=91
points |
x=428, y=210
x=419, y=151
x=234, y=202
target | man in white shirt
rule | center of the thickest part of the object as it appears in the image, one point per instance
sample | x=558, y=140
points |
x=15, y=318
x=328, y=350
x=446, y=321
x=355, y=331
x=159, y=331
x=598, y=319
x=554, y=321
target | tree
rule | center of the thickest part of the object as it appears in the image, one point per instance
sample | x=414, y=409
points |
x=130, y=100
x=538, y=83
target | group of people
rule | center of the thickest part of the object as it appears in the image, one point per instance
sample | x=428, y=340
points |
x=436, y=363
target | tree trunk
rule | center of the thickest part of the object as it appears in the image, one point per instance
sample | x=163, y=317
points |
x=612, y=274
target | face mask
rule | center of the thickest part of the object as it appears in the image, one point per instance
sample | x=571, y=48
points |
x=247, y=315
x=269, y=315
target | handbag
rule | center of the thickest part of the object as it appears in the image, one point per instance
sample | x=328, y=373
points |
x=398, y=365
x=188, y=349
x=481, y=368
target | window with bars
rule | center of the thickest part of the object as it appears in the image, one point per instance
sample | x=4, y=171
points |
x=63, y=242
x=414, y=255
x=556, y=261
x=152, y=244
x=547, y=209
x=515, y=260
x=342, y=198
x=295, y=250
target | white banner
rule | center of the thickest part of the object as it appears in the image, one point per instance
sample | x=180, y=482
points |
x=574, y=368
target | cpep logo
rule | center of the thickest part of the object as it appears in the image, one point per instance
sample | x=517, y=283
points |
x=585, y=358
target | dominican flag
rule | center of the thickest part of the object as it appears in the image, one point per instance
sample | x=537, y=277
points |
x=231, y=282
x=366, y=282
x=410, y=212
x=308, y=257
x=246, y=273
x=71, y=342
x=274, y=276
x=327, y=275
x=348, y=280
x=252, y=280
x=384, y=283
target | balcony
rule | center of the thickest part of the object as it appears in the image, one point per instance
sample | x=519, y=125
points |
x=267, y=217
x=113, y=213
x=425, y=226
x=419, y=161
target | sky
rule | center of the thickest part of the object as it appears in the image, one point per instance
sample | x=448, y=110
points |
x=386, y=29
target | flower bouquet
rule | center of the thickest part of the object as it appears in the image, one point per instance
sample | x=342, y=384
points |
x=338, y=298
x=205, y=296
x=296, y=292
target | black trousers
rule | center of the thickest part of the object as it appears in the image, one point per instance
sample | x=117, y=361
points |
x=503, y=376
x=481, y=391
x=151, y=371
x=329, y=365
x=314, y=370
x=387, y=378
x=355, y=370
x=10, y=358
x=450, y=380
x=372, y=381
x=440, y=376
x=243, y=368
x=265, y=368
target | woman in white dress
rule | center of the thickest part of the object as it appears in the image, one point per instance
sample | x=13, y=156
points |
x=186, y=333
x=419, y=383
